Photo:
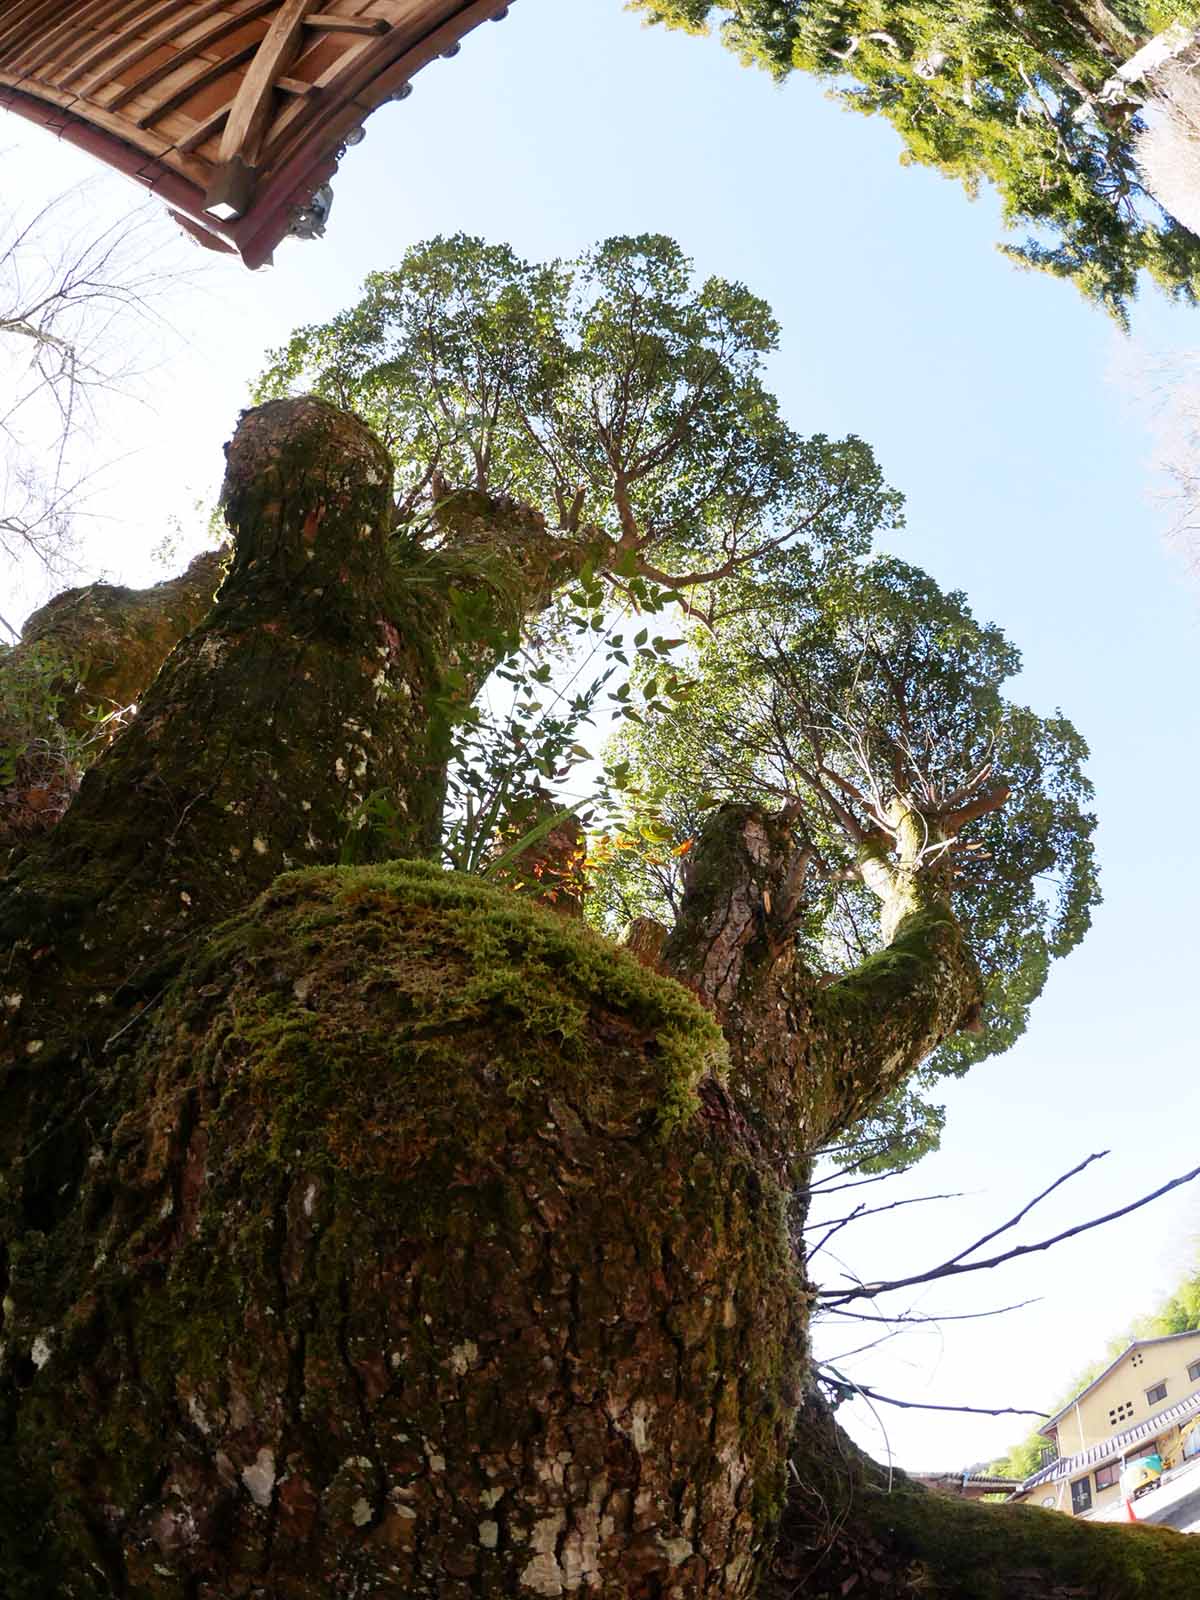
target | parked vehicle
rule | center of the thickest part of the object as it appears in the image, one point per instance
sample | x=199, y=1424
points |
x=1141, y=1474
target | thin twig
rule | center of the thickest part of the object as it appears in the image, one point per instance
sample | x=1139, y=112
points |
x=873, y=1211
x=921, y=1405
x=1097, y=1155
x=952, y=1269
x=949, y=1316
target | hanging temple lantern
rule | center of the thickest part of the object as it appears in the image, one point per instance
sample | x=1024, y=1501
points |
x=234, y=112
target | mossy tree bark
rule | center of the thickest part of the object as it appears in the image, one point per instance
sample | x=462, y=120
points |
x=398, y=1236
x=81, y=659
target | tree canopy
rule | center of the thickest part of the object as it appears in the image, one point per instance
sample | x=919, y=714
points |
x=869, y=702
x=993, y=92
x=626, y=405
x=611, y=393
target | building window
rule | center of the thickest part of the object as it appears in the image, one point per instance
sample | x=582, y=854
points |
x=1107, y=1476
x=1120, y=1413
x=1081, y=1495
x=1194, y=1372
x=1153, y=1396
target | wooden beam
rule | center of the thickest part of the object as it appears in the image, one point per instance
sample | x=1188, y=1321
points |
x=203, y=131
x=199, y=75
x=60, y=45
x=330, y=22
x=218, y=19
x=296, y=86
x=149, y=36
x=21, y=19
x=251, y=111
x=231, y=192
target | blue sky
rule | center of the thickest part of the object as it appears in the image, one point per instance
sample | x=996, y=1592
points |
x=990, y=397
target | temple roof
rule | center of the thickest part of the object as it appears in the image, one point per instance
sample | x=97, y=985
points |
x=235, y=112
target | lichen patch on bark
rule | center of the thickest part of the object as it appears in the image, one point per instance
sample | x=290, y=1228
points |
x=456, y=1294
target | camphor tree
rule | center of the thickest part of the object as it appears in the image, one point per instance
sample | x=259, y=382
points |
x=1012, y=94
x=866, y=703
x=376, y=1229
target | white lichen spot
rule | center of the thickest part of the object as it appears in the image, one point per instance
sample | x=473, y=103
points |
x=463, y=1357
x=640, y=1431
x=100, y=999
x=360, y=1512
x=39, y=1354
x=260, y=845
x=211, y=650
x=260, y=1478
x=543, y=1574
x=306, y=805
x=100, y=1260
x=34, y=1045
x=13, y=1002
x=198, y=1415
x=185, y=897
x=311, y=841
x=489, y=1534
x=339, y=767
x=235, y=852
x=676, y=1550
x=167, y=1207
x=490, y=1498
x=310, y=1196
x=437, y=1463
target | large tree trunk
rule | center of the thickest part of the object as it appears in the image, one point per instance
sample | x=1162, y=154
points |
x=373, y=1230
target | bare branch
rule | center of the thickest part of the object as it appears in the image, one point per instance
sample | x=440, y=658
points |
x=949, y=1316
x=953, y=1269
x=921, y=1405
x=1097, y=1155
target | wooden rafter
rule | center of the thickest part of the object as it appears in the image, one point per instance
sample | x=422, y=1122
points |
x=234, y=111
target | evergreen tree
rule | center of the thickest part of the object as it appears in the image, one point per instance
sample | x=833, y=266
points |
x=997, y=92
x=376, y=1229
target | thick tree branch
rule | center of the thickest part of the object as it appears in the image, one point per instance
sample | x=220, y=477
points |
x=113, y=639
x=813, y=1059
x=87, y=655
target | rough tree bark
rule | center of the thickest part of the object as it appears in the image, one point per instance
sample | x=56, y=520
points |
x=376, y=1231
x=91, y=652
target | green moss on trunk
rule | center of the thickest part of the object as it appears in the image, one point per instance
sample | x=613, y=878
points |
x=850, y=1528
x=416, y=1250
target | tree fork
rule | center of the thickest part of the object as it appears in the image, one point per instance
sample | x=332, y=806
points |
x=811, y=1058
x=307, y=690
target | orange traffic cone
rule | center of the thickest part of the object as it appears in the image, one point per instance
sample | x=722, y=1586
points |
x=1129, y=1511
